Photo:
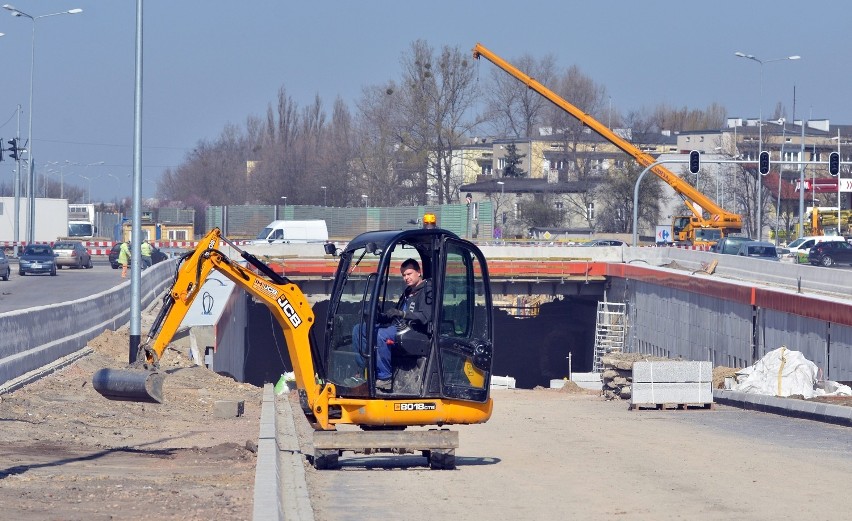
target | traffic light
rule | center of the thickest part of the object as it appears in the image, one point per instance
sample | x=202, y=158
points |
x=14, y=150
x=834, y=163
x=694, y=162
x=763, y=163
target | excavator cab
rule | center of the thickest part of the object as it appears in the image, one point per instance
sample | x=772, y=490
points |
x=449, y=358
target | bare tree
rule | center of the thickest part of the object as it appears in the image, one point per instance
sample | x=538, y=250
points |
x=615, y=197
x=380, y=167
x=436, y=97
x=514, y=110
x=581, y=163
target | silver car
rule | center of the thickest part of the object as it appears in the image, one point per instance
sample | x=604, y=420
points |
x=72, y=254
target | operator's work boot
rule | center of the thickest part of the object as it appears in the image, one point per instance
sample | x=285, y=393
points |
x=385, y=385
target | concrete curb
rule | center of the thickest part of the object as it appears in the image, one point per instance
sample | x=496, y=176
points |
x=824, y=412
x=267, y=500
x=280, y=486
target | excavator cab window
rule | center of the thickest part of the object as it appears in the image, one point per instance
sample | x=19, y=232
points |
x=449, y=358
x=464, y=330
x=347, y=351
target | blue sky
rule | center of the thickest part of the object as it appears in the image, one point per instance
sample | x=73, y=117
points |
x=208, y=63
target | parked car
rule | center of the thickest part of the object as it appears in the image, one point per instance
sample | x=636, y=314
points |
x=5, y=270
x=156, y=256
x=730, y=245
x=758, y=250
x=800, y=247
x=72, y=254
x=37, y=258
x=829, y=253
x=604, y=242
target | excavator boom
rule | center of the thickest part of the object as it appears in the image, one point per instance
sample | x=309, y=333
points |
x=694, y=199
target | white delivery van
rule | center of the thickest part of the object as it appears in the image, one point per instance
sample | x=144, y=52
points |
x=800, y=247
x=280, y=232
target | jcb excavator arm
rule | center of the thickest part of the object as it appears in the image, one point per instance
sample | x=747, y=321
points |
x=284, y=299
x=719, y=218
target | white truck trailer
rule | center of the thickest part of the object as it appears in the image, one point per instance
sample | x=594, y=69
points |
x=51, y=219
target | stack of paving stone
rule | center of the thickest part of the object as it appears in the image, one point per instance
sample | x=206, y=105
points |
x=617, y=376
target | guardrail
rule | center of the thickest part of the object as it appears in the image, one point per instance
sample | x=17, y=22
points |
x=35, y=337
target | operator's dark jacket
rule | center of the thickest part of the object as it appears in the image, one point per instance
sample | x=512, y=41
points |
x=418, y=312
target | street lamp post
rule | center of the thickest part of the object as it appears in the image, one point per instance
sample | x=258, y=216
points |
x=502, y=194
x=31, y=175
x=89, y=189
x=324, y=195
x=284, y=198
x=754, y=58
x=62, y=177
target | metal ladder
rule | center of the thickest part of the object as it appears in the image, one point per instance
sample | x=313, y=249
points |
x=610, y=331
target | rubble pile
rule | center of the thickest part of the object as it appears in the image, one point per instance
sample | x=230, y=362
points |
x=617, y=375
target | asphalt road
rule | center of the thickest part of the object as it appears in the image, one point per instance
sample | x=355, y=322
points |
x=68, y=284
x=547, y=455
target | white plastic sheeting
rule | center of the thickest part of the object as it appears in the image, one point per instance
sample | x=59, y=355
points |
x=783, y=372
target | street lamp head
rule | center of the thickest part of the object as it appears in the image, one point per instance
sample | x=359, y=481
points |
x=74, y=11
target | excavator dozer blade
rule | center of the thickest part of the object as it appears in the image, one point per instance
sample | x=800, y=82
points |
x=134, y=385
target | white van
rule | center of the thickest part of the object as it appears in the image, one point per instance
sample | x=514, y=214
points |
x=279, y=232
x=800, y=247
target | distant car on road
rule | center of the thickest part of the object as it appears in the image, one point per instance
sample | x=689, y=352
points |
x=604, y=242
x=37, y=258
x=72, y=254
x=156, y=256
x=730, y=245
x=758, y=250
x=829, y=253
x=799, y=248
x=5, y=270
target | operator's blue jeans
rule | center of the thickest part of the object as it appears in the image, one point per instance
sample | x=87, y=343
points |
x=384, y=339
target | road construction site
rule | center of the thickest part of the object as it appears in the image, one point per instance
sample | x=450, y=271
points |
x=545, y=454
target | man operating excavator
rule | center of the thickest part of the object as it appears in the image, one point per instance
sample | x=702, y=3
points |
x=413, y=310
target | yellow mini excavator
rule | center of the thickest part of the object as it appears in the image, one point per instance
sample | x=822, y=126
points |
x=441, y=375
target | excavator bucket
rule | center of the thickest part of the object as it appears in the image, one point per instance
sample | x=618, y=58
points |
x=136, y=385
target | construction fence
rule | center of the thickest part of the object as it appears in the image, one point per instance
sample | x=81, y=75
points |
x=474, y=221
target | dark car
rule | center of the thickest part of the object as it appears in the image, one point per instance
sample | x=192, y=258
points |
x=829, y=253
x=730, y=245
x=5, y=270
x=156, y=256
x=72, y=254
x=604, y=242
x=758, y=250
x=37, y=258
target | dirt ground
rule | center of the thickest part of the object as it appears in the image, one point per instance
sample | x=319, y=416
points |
x=68, y=453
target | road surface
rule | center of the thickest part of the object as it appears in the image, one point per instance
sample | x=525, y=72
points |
x=548, y=454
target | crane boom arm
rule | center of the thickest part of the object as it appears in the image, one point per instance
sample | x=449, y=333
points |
x=718, y=216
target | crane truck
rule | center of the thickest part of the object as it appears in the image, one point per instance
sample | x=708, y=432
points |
x=708, y=221
x=441, y=376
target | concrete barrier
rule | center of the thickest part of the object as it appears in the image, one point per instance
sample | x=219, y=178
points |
x=35, y=337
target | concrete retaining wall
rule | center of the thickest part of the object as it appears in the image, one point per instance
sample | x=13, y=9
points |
x=35, y=337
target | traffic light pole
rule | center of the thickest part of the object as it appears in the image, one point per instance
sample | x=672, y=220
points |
x=694, y=164
x=17, y=232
